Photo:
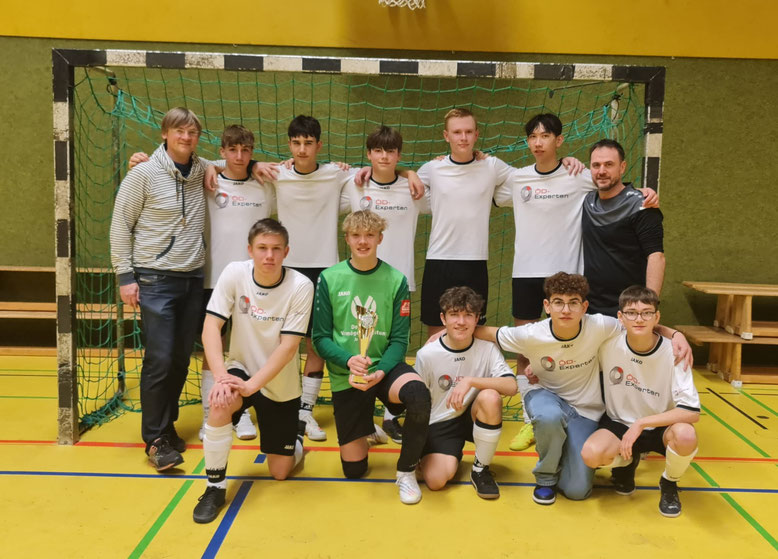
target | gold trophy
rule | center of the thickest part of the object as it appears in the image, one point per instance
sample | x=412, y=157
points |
x=366, y=321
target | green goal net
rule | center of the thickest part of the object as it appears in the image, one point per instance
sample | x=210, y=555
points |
x=117, y=111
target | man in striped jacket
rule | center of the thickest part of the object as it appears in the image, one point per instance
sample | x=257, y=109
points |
x=158, y=252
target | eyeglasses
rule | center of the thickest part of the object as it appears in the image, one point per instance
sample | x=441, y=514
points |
x=559, y=305
x=633, y=315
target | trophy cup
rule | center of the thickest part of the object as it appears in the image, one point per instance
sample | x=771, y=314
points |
x=366, y=321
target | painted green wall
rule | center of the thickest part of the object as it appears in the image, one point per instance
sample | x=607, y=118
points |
x=718, y=162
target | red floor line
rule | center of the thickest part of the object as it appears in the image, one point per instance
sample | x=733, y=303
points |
x=390, y=450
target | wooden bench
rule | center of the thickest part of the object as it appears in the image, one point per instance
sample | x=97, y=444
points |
x=27, y=294
x=48, y=311
x=733, y=309
x=726, y=354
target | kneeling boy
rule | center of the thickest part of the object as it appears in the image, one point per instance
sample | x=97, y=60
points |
x=269, y=305
x=467, y=379
x=650, y=403
x=364, y=286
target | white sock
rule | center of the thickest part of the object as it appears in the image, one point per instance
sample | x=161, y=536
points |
x=206, y=384
x=217, y=443
x=524, y=387
x=486, y=438
x=618, y=462
x=388, y=416
x=311, y=387
x=298, y=451
x=675, y=464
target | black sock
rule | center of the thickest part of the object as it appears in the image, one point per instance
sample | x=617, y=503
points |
x=416, y=397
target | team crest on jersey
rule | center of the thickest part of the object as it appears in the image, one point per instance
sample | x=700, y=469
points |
x=547, y=363
x=221, y=199
x=369, y=304
x=365, y=203
x=405, y=308
x=243, y=304
x=616, y=375
x=526, y=194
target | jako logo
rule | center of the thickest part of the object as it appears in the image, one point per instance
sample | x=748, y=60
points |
x=221, y=199
x=616, y=375
x=365, y=203
x=547, y=363
x=526, y=193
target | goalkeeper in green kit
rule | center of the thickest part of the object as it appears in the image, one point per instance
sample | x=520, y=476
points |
x=362, y=301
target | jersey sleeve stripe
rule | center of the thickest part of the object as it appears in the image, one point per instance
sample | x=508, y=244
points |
x=497, y=339
x=224, y=318
x=293, y=333
x=690, y=408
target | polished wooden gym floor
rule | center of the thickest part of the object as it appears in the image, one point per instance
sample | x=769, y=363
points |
x=100, y=498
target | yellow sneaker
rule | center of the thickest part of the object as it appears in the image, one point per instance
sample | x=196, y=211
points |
x=524, y=439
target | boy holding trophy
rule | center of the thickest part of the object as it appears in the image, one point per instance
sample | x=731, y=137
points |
x=360, y=327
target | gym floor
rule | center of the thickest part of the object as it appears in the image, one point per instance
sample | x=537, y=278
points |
x=100, y=498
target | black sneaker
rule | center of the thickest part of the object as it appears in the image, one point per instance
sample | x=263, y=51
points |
x=484, y=484
x=209, y=503
x=162, y=455
x=669, y=503
x=393, y=429
x=624, y=478
x=176, y=442
x=544, y=494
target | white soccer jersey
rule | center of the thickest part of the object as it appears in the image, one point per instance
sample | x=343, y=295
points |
x=394, y=203
x=461, y=201
x=547, y=211
x=568, y=368
x=642, y=384
x=440, y=367
x=232, y=210
x=260, y=314
x=308, y=206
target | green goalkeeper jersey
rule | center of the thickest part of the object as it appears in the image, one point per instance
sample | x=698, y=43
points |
x=341, y=288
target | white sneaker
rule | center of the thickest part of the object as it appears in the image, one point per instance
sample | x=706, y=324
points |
x=410, y=494
x=245, y=428
x=312, y=429
x=378, y=437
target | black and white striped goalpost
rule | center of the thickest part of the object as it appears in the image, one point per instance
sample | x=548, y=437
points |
x=64, y=61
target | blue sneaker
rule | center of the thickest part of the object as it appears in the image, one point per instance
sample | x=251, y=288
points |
x=544, y=494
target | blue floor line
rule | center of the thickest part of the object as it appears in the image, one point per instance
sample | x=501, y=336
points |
x=226, y=523
x=178, y=477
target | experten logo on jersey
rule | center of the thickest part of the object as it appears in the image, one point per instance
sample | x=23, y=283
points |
x=221, y=199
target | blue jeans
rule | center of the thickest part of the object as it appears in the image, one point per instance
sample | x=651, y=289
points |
x=560, y=434
x=170, y=309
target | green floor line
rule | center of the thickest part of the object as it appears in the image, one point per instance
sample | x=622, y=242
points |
x=155, y=528
x=735, y=432
x=759, y=403
x=740, y=510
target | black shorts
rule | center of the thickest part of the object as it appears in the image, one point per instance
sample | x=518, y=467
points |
x=439, y=275
x=448, y=437
x=206, y=298
x=277, y=421
x=650, y=440
x=528, y=298
x=354, y=408
x=313, y=275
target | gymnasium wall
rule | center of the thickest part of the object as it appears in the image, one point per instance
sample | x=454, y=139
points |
x=718, y=154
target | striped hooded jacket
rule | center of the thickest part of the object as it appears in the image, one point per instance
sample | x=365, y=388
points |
x=158, y=219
